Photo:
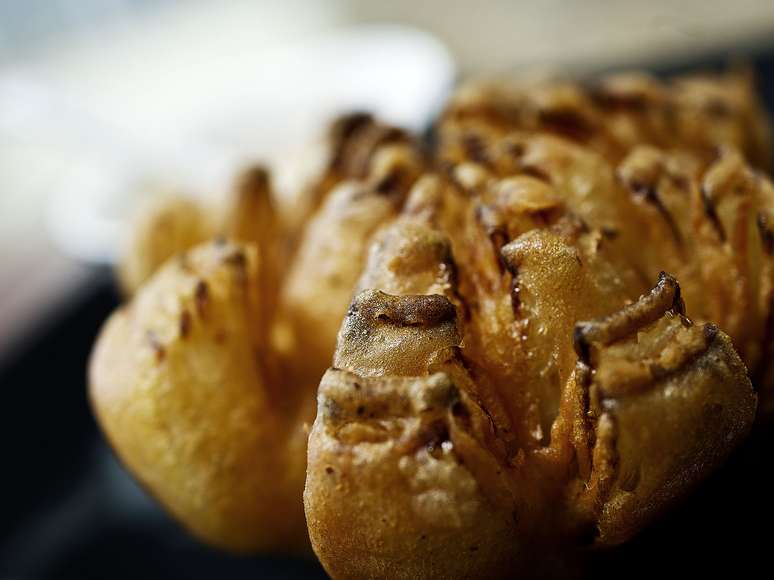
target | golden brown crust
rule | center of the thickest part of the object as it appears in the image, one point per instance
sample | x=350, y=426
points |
x=665, y=398
x=562, y=432
x=697, y=114
x=409, y=477
x=508, y=382
x=387, y=464
x=169, y=225
x=178, y=385
x=162, y=228
x=197, y=381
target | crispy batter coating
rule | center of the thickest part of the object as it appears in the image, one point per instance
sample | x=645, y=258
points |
x=693, y=114
x=566, y=404
x=430, y=460
x=333, y=249
x=181, y=390
x=205, y=380
x=162, y=228
x=679, y=193
x=515, y=378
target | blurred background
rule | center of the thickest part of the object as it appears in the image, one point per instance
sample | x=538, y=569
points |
x=104, y=102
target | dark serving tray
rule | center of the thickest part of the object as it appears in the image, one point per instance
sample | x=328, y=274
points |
x=70, y=511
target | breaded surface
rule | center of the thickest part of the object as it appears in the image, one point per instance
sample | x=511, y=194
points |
x=537, y=327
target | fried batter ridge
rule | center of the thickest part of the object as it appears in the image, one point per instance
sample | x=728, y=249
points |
x=515, y=377
x=480, y=427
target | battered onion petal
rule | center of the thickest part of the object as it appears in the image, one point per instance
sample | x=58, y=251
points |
x=180, y=388
x=408, y=477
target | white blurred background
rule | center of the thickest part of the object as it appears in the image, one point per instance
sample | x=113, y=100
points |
x=105, y=101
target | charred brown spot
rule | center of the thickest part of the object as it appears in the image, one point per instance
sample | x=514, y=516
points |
x=679, y=181
x=462, y=416
x=236, y=259
x=712, y=214
x=475, y=149
x=498, y=237
x=329, y=470
x=185, y=324
x=536, y=172
x=767, y=236
x=453, y=278
x=581, y=343
x=450, y=268
x=390, y=183
x=649, y=193
x=418, y=310
x=460, y=412
x=678, y=304
x=201, y=297
x=515, y=297
x=617, y=100
x=392, y=135
x=254, y=180
x=346, y=125
x=664, y=297
x=342, y=131
x=515, y=149
x=566, y=122
x=357, y=155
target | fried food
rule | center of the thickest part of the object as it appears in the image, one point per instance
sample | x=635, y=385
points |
x=170, y=224
x=204, y=382
x=163, y=227
x=515, y=375
x=681, y=189
x=530, y=404
x=692, y=114
x=184, y=390
x=547, y=399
